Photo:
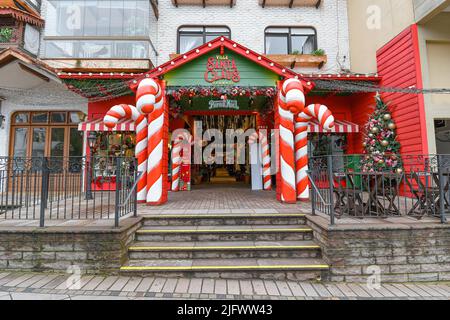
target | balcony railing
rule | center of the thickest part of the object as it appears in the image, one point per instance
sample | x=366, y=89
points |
x=73, y=188
x=341, y=188
x=290, y=3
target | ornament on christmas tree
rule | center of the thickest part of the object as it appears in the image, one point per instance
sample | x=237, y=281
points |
x=380, y=145
x=392, y=126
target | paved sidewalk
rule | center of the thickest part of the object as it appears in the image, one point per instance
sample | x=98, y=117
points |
x=39, y=286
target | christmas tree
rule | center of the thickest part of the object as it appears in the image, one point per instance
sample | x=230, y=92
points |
x=381, y=148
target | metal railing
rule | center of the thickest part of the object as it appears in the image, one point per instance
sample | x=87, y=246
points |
x=341, y=188
x=73, y=188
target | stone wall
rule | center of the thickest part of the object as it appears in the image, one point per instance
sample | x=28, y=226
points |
x=95, y=250
x=415, y=252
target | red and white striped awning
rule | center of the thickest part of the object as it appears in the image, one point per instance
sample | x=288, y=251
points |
x=128, y=125
x=339, y=127
x=98, y=125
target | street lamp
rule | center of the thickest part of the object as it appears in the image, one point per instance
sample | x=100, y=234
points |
x=92, y=139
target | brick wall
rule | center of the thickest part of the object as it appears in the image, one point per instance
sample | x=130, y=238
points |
x=402, y=252
x=247, y=21
x=54, y=249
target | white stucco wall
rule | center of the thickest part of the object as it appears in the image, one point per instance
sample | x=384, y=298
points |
x=49, y=96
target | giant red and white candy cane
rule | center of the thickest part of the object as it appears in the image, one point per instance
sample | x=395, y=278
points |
x=265, y=159
x=150, y=100
x=124, y=111
x=326, y=119
x=181, y=142
x=291, y=100
x=292, y=95
x=176, y=163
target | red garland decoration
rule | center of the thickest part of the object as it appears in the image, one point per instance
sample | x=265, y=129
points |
x=220, y=92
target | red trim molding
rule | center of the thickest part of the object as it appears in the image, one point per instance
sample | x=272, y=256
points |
x=222, y=42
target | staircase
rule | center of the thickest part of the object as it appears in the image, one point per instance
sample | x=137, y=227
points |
x=264, y=246
x=222, y=176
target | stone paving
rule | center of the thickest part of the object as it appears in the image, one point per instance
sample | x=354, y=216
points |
x=217, y=199
x=26, y=286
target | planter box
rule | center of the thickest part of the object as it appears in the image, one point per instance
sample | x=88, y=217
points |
x=299, y=60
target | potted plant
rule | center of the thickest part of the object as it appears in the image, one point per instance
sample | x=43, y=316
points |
x=317, y=59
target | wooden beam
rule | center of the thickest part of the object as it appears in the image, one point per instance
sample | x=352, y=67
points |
x=291, y=4
x=154, y=4
x=33, y=72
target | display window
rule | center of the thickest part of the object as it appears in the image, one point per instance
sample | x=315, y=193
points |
x=46, y=134
x=108, y=147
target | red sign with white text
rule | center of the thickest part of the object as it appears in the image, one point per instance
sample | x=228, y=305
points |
x=221, y=70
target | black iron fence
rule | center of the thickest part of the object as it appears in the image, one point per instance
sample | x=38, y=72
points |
x=341, y=188
x=74, y=188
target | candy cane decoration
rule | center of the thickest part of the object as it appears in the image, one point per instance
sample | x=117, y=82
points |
x=261, y=135
x=291, y=100
x=181, y=142
x=265, y=154
x=326, y=119
x=150, y=101
x=124, y=111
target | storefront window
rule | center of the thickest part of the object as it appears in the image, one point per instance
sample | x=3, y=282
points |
x=290, y=40
x=58, y=117
x=192, y=37
x=327, y=144
x=38, y=142
x=76, y=117
x=57, y=142
x=20, y=142
x=47, y=134
x=21, y=118
x=76, y=143
x=109, y=146
x=107, y=23
x=39, y=117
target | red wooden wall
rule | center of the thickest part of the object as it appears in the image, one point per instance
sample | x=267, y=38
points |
x=399, y=66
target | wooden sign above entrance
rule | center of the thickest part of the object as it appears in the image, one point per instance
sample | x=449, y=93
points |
x=222, y=70
x=216, y=69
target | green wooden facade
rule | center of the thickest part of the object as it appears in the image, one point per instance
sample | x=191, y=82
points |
x=193, y=73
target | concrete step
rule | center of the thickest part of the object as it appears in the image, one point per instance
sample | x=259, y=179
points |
x=224, y=250
x=224, y=233
x=224, y=219
x=288, y=269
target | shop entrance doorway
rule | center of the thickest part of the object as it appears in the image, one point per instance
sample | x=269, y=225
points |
x=225, y=151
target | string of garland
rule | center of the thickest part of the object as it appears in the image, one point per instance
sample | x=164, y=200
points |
x=367, y=86
x=220, y=92
x=107, y=89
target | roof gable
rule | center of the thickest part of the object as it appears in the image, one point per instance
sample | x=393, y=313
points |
x=217, y=68
x=222, y=43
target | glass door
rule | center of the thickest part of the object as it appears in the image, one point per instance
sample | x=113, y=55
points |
x=38, y=142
